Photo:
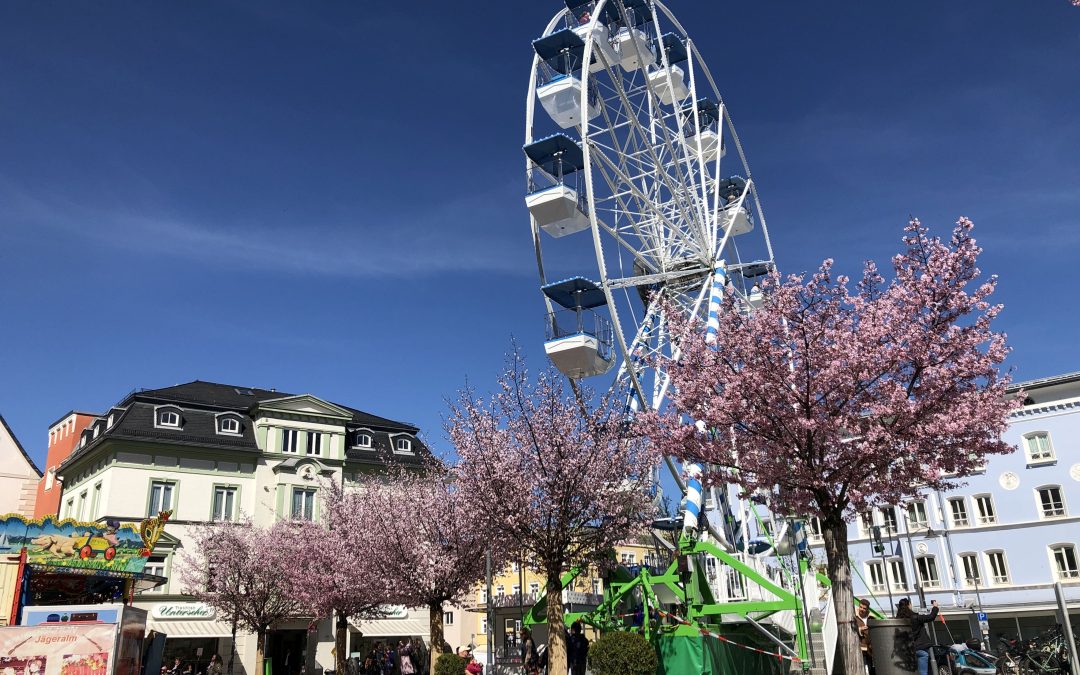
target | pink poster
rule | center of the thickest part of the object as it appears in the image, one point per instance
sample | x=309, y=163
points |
x=57, y=649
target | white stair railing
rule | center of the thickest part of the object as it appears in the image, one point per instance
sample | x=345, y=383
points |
x=829, y=633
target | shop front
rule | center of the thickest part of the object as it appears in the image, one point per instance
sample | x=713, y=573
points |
x=399, y=624
x=193, y=633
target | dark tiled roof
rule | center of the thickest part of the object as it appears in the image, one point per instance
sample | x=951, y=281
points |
x=18, y=445
x=200, y=405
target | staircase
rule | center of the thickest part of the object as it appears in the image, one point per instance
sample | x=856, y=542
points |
x=817, y=647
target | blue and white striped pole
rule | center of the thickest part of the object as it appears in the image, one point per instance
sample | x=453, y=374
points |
x=692, y=508
x=712, y=327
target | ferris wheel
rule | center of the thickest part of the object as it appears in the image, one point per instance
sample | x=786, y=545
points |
x=638, y=189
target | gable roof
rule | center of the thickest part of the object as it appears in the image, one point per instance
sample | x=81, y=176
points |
x=15, y=439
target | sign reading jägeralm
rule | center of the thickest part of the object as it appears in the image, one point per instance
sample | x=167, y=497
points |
x=57, y=649
x=183, y=610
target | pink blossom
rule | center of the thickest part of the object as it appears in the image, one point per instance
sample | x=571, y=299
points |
x=840, y=400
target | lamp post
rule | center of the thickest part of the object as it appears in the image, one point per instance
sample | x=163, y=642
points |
x=879, y=547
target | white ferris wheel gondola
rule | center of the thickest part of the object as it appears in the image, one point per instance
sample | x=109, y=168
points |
x=630, y=142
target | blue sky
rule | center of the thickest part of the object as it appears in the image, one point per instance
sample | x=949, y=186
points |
x=328, y=197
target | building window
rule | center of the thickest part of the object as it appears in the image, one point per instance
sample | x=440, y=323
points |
x=483, y=626
x=448, y=618
x=81, y=513
x=959, y=512
x=897, y=574
x=1051, y=503
x=403, y=445
x=1065, y=565
x=969, y=563
x=500, y=591
x=1038, y=447
x=70, y=508
x=303, y=504
x=363, y=440
x=865, y=522
x=483, y=596
x=314, y=443
x=515, y=590
x=888, y=519
x=224, y=507
x=534, y=587
x=875, y=572
x=229, y=425
x=813, y=528
x=626, y=558
x=999, y=571
x=50, y=478
x=168, y=418
x=155, y=565
x=928, y=571
x=161, y=496
x=95, y=501
x=984, y=510
x=596, y=587
x=916, y=516
x=289, y=440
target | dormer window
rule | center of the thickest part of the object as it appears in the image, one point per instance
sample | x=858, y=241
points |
x=403, y=445
x=167, y=417
x=228, y=425
x=363, y=440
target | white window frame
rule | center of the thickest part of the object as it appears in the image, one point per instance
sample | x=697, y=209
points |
x=886, y=526
x=958, y=522
x=158, y=504
x=229, y=495
x=1057, y=508
x=898, y=582
x=927, y=563
x=813, y=529
x=981, y=516
x=290, y=448
x=231, y=422
x=360, y=442
x=500, y=591
x=996, y=578
x=167, y=418
x=875, y=570
x=307, y=503
x=156, y=564
x=403, y=445
x=918, y=505
x=1056, y=562
x=448, y=618
x=534, y=588
x=314, y=443
x=979, y=579
x=1042, y=455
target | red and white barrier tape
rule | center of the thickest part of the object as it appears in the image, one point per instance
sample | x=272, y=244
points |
x=706, y=632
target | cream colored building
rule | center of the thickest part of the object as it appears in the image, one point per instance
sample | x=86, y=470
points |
x=19, y=475
x=213, y=452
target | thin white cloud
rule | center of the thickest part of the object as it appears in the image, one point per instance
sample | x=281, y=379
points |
x=471, y=235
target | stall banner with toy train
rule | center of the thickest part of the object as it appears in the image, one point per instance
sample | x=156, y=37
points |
x=57, y=650
x=69, y=543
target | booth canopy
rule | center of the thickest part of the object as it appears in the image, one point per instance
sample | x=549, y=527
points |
x=575, y=293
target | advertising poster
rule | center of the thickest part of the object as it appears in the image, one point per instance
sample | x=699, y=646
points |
x=57, y=650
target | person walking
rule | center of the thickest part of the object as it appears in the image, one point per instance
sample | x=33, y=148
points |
x=529, y=657
x=920, y=636
x=214, y=667
x=577, y=650
x=405, y=658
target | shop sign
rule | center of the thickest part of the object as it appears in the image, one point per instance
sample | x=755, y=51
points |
x=393, y=612
x=183, y=610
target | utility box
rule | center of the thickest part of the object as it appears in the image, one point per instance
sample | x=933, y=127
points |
x=893, y=650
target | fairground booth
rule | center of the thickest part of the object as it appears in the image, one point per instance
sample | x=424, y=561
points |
x=66, y=589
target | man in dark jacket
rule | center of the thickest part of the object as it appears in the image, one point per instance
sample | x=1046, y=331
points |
x=577, y=650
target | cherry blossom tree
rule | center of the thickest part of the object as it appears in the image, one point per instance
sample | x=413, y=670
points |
x=559, y=477
x=239, y=570
x=833, y=401
x=335, y=577
x=422, y=536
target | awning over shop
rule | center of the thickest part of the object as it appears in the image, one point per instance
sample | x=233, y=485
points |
x=190, y=629
x=415, y=624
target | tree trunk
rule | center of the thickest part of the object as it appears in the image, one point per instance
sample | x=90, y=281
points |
x=435, y=615
x=341, y=633
x=849, y=660
x=556, y=621
x=260, y=637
